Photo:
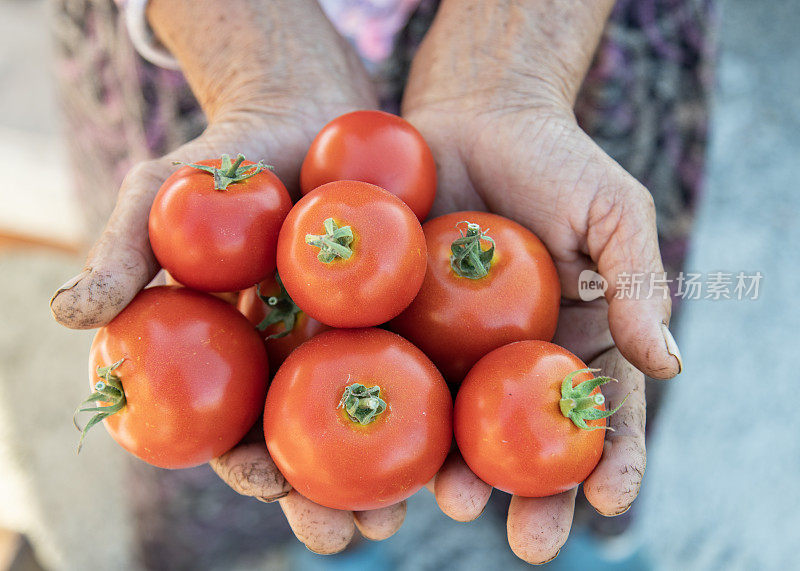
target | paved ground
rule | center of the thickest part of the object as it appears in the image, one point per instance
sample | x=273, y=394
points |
x=45, y=490
x=35, y=190
x=721, y=487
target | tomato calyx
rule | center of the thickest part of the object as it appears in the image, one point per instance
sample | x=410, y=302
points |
x=229, y=172
x=335, y=243
x=281, y=307
x=108, y=389
x=361, y=403
x=469, y=260
x=578, y=404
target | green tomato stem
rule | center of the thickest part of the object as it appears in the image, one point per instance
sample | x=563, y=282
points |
x=362, y=404
x=571, y=404
x=335, y=243
x=229, y=172
x=579, y=404
x=231, y=169
x=280, y=308
x=108, y=389
x=468, y=259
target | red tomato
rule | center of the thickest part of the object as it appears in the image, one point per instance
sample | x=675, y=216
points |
x=457, y=320
x=509, y=423
x=288, y=326
x=218, y=240
x=336, y=461
x=193, y=372
x=229, y=297
x=375, y=147
x=380, y=262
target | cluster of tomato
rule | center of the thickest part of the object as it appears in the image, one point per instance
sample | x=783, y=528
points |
x=356, y=417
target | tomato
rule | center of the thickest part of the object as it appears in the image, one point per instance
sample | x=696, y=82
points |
x=193, y=373
x=214, y=233
x=509, y=423
x=229, y=297
x=456, y=320
x=287, y=327
x=387, y=383
x=375, y=147
x=351, y=254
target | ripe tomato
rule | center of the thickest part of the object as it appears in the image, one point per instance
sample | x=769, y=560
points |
x=218, y=231
x=287, y=327
x=456, y=320
x=193, y=373
x=510, y=424
x=375, y=147
x=351, y=254
x=337, y=461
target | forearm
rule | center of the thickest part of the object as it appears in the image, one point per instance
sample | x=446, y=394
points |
x=522, y=45
x=240, y=53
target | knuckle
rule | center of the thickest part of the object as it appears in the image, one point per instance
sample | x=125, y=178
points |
x=145, y=178
x=642, y=199
x=251, y=477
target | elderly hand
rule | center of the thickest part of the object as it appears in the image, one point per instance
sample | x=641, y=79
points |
x=492, y=90
x=268, y=83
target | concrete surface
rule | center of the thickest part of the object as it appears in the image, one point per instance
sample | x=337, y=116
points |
x=721, y=485
x=72, y=508
x=36, y=191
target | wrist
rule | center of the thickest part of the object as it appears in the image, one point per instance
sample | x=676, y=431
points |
x=251, y=56
x=512, y=52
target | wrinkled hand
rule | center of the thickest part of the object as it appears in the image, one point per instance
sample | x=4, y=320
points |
x=121, y=263
x=510, y=144
x=249, y=470
x=266, y=100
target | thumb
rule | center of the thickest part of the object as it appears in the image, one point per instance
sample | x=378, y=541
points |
x=622, y=239
x=121, y=262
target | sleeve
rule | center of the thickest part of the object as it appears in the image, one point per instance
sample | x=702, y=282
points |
x=142, y=36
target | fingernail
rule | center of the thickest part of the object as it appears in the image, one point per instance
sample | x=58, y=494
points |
x=270, y=499
x=549, y=560
x=672, y=346
x=70, y=283
x=325, y=553
x=622, y=511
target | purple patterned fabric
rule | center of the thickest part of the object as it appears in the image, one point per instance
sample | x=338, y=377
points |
x=370, y=25
x=645, y=101
x=118, y=109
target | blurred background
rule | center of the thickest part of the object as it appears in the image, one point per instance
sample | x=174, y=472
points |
x=724, y=451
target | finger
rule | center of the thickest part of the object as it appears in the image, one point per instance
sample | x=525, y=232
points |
x=460, y=494
x=322, y=530
x=615, y=482
x=622, y=239
x=249, y=470
x=382, y=523
x=121, y=262
x=583, y=328
x=538, y=527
